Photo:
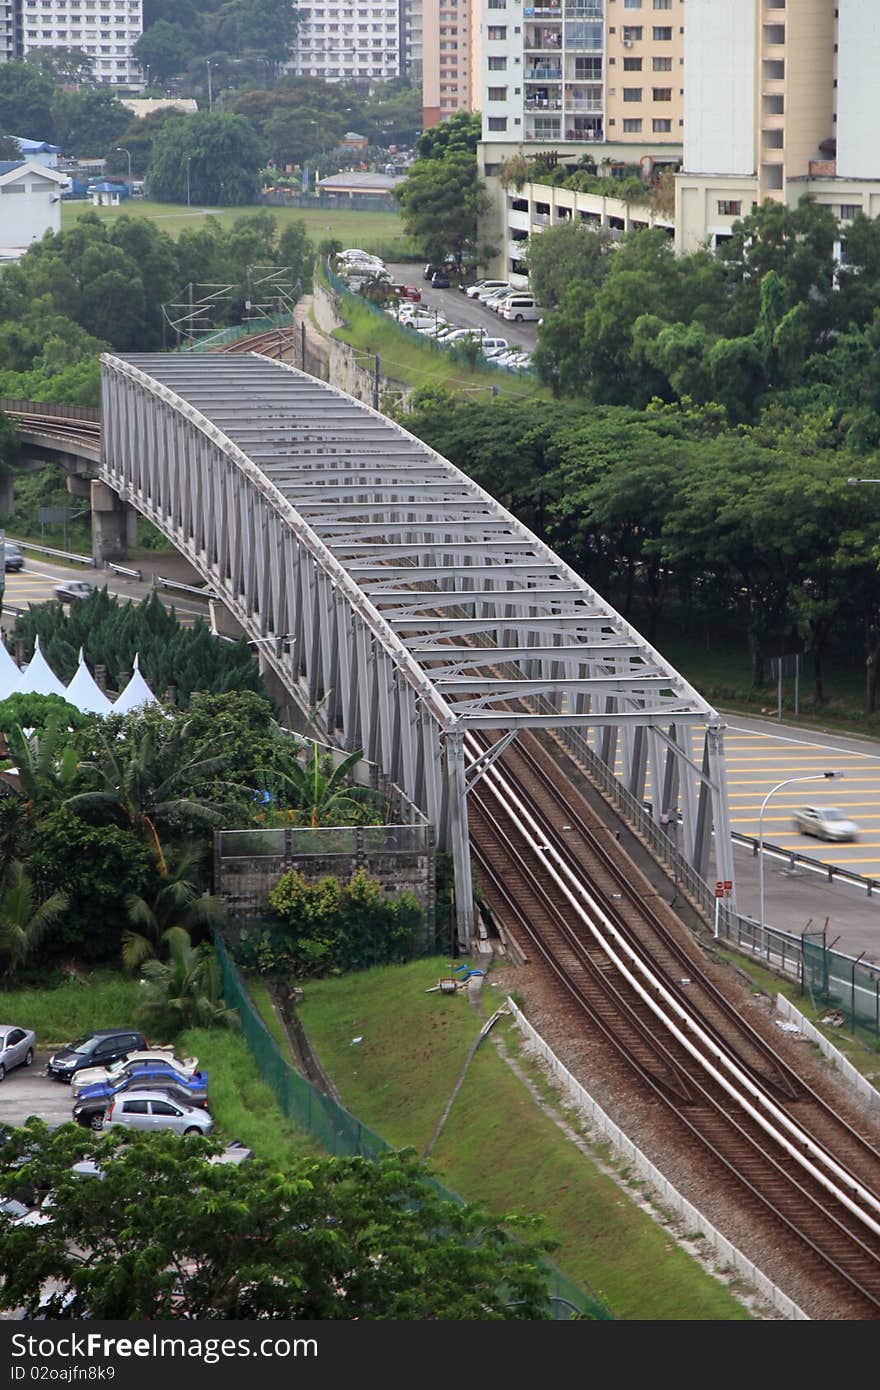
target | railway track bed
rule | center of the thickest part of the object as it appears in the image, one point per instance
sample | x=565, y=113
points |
x=703, y=1139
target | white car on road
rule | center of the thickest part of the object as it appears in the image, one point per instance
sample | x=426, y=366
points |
x=17, y=1047
x=93, y=1076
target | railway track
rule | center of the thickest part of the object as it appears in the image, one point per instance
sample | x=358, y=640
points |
x=553, y=883
x=272, y=343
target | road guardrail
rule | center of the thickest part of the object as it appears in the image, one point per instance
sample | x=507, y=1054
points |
x=206, y=594
x=831, y=871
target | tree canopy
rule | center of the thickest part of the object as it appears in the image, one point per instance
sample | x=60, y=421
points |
x=442, y=200
x=222, y=153
x=164, y=1233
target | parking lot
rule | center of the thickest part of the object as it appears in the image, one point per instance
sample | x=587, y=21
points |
x=467, y=313
x=29, y=1091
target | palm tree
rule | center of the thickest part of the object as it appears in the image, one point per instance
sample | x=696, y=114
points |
x=178, y=902
x=186, y=991
x=322, y=794
x=23, y=920
x=151, y=776
x=46, y=765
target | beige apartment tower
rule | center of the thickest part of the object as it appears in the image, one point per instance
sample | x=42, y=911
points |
x=451, y=66
x=782, y=98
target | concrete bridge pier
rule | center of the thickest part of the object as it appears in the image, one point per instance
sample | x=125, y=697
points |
x=113, y=525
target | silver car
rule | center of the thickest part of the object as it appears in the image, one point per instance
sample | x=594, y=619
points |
x=825, y=822
x=150, y=1111
x=17, y=1047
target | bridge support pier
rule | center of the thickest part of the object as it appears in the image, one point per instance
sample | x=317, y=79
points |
x=7, y=494
x=113, y=524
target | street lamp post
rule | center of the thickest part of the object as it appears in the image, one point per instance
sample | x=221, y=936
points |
x=120, y=149
x=816, y=777
x=210, y=92
x=187, y=162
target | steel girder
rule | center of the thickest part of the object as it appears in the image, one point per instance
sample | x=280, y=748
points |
x=400, y=594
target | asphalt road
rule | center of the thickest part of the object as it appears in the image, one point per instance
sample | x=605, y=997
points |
x=29, y=1091
x=36, y=584
x=465, y=312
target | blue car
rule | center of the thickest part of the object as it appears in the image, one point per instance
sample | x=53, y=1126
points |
x=147, y=1074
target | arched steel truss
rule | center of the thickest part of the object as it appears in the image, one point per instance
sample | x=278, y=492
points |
x=401, y=595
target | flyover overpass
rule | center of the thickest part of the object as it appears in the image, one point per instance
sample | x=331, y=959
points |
x=397, y=594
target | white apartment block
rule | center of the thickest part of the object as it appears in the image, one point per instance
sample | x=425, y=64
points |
x=451, y=71
x=411, y=24
x=349, y=41
x=781, y=99
x=106, y=30
x=7, y=31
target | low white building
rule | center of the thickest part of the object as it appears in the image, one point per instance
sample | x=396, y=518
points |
x=30, y=204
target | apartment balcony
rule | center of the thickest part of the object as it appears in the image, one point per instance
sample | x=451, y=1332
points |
x=541, y=219
x=542, y=104
x=518, y=220
x=543, y=40
x=582, y=104
x=589, y=9
x=551, y=9
x=546, y=72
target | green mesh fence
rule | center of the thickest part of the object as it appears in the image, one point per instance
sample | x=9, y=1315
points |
x=343, y=1136
x=843, y=985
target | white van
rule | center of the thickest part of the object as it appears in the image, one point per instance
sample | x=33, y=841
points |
x=493, y=345
x=520, y=307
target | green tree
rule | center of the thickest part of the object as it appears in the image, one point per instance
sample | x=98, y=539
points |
x=88, y=122
x=9, y=148
x=46, y=762
x=563, y=256
x=26, y=101
x=321, y=793
x=165, y=48
x=145, y=779
x=329, y=1238
x=441, y=202
x=178, y=901
x=63, y=66
x=184, y=991
x=24, y=919
x=96, y=866
x=224, y=155
x=459, y=135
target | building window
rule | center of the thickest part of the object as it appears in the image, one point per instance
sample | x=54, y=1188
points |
x=662, y=93
x=497, y=122
x=661, y=127
x=632, y=93
x=632, y=64
x=498, y=64
x=662, y=33
x=662, y=64
x=729, y=208
x=497, y=31
x=848, y=211
x=632, y=4
x=632, y=33
x=632, y=127
x=497, y=93
x=662, y=4
x=497, y=4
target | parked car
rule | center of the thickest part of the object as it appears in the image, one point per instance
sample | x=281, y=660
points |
x=90, y=1111
x=483, y=287
x=151, y=1074
x=94, y=1049
x=825, y=822
x=17, y=1047
x=430, y=271
x=92, y=1076
x=519, y=307
x=14, y=560
x=489, y=345
x=73, y=589
x=440, y=280
x=485, y=296
x=147, y=1111
x=410, y=292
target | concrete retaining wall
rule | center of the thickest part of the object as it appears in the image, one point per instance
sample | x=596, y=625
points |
x=862, y=1084
x=727, y=1254
x=349, y=369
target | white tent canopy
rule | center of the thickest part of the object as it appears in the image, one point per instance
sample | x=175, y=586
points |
x=38, y=678
x=85, y=693
x=136, y=694
x=9, y=674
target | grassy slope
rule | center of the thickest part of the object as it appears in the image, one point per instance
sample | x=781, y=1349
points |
x=405, y=359
x=497, y=1144
x=59, y=1015
x=371, y=231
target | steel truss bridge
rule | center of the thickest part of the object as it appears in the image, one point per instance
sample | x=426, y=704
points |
x=401, y=598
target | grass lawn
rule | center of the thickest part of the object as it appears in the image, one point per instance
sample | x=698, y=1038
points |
x=497, y=1146
x=371, y=231
x=406, y=359
x=58, y=1015
x=265, y=1007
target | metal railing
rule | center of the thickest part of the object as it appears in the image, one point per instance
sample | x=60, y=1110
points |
x=830, y=871
x=291, y=841
x=56, y=554
x=66, y=412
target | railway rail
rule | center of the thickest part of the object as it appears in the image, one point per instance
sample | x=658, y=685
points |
x=552, y=882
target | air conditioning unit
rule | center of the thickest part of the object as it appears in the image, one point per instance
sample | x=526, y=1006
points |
x=627, y=43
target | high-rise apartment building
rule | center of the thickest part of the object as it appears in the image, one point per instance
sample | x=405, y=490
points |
x=573, y=72
x=7, y=31
x=106, y=30
x=411, y=39
x=451, y=76
x=350, y=40
x=781, y=100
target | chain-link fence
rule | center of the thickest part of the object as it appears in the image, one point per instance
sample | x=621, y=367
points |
x=844, y=986
x=337, y=1131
